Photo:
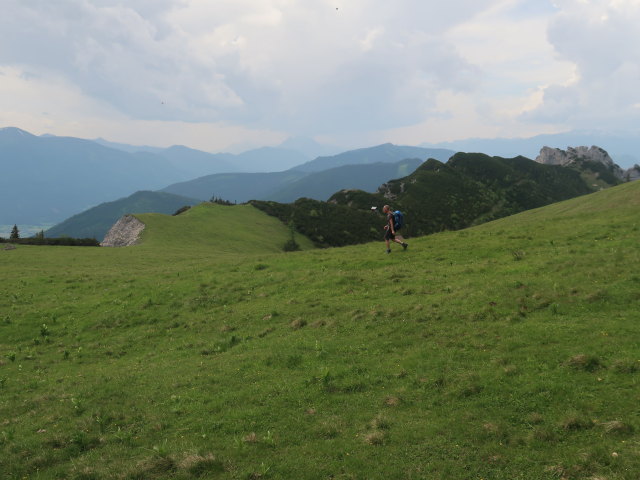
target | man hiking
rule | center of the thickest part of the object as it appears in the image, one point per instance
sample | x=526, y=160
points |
x=391, y=229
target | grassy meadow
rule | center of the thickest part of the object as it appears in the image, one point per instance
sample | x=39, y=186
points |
x=508, y=350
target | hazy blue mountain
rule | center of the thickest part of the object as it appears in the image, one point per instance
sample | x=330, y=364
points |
x=310, y=182
x=269, y=159
x=321, y=185
x=235, y=187
x=624, y=150
x=387, y=153
x=196, y=163
x=47, y=179
x=96, y=222
x=310, y=147
x=126, y=147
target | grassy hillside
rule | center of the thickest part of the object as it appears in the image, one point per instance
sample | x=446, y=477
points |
x=96, y=222
x=508, y=350
x=214, y=228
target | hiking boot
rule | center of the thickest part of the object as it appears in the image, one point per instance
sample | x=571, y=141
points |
x=388, y=251
x=405, y=245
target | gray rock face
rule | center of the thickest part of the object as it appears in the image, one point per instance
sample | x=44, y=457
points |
x=124, y=233
x=633, y=173
x=570, y=156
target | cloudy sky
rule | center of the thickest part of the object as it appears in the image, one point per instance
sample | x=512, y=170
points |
x=224, y=74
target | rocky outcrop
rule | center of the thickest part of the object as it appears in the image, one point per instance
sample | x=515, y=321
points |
x=582, y=156
x=124, y=233
x=633, y=173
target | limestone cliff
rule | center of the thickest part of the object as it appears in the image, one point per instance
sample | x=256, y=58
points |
x=583, y=157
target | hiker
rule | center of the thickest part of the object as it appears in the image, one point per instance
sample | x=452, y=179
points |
x=391, y=229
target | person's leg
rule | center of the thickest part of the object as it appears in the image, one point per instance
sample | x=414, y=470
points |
x=399, y=239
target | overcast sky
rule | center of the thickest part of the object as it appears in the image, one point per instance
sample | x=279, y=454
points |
x=219, y=74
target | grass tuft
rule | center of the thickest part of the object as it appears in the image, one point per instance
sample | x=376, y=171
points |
x=374, y=438
x=616, y=427
x=298, y=323
x=588, y=363
x=380, y=422
x=201, y=466
x=576, y=422
x=626, y=366
x=392, y=401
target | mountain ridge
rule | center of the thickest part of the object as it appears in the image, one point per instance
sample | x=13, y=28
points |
x=468, y=190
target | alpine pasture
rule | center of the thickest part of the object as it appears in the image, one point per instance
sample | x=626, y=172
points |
x=508, y=350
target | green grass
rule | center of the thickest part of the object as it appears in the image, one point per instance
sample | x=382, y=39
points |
x=209, y=228
x=509, y=350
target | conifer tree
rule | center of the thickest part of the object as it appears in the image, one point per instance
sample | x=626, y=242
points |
x=15, y=233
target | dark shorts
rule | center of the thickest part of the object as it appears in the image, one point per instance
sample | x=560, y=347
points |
x=388, y=235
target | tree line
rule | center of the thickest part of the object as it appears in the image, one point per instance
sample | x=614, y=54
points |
x=40, y=239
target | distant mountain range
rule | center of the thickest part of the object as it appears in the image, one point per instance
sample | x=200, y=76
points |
x=46, y=179
x=235, y=187
x=387, y=153
x=368, y=168
x=195, y=163
x=321, y=185
x=365, y=168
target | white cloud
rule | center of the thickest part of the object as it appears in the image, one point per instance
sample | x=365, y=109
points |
x=279, y=64
x=49, y=104
x=409, y=68
x=601, y=39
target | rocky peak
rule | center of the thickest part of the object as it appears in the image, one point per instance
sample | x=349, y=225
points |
x=581, y=156
x=633, y=173
x=556, y=156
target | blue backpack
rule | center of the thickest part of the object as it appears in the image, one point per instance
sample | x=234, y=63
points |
x=398, y=220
